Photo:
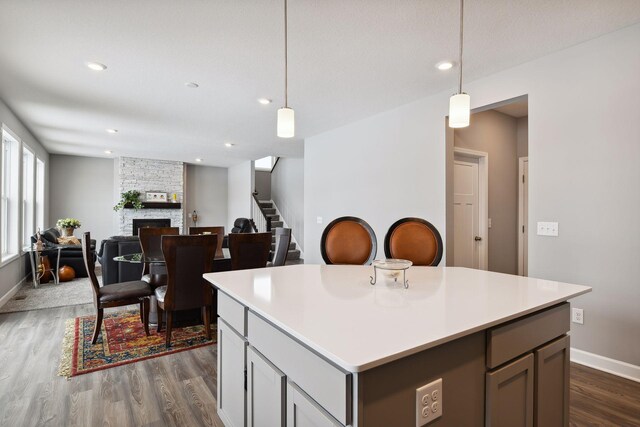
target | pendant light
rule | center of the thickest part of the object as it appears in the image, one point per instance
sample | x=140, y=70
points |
x=460, y=103
x=286, y=115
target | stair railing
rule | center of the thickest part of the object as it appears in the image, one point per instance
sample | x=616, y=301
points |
x=261, y=221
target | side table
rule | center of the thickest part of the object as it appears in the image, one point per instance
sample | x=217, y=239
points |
x=35, y=257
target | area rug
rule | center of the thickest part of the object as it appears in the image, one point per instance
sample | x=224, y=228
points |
x=121, y=341
x=50, y=295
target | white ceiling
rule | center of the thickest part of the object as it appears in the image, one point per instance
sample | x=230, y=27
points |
x=348, y=59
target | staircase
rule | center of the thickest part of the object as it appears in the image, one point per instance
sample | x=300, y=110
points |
x=293, y=257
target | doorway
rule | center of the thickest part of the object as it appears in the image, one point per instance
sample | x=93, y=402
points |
x=487, y=202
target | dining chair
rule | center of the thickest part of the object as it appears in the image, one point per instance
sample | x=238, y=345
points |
x=249, y=250
x=187, y=259
x=283, y=240
x=155, y=274
x=116, y=294
x=218, y=231
x=414, y=239
x=348, y=240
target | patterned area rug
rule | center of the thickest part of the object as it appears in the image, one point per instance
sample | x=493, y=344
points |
x=125, y=342
x=50, y=295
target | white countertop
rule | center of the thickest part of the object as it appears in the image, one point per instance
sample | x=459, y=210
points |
x=335, y=311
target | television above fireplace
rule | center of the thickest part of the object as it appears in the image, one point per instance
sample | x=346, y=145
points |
x=149, y=222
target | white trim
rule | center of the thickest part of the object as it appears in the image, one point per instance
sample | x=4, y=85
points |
x=483, y=200
x=6, y=297
x=9, y=258
x=521, y=186
x=605, y=364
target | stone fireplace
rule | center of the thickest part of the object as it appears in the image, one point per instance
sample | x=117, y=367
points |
x=138, y=223
x=154, y=176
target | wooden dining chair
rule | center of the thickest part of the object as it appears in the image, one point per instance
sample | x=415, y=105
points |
x=187, y=259
x=218, y=231
x=249, y=250
x=116, y=294
x=155, y=274
x=348, y=240
x=283, y=240
x=414, y=239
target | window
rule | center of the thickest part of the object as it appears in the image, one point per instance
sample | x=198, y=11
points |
x=28, y=195
x=9, y=198
x=265, y=163
x=39, y=194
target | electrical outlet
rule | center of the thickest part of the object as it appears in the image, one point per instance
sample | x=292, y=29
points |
x=428, y=402
x=577, y=315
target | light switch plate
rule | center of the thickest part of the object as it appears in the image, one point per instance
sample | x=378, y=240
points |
x=429, y=402
x=547, y=229
x=319, y=220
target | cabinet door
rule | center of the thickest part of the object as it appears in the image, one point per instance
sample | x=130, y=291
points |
x=552, y=384
x=266, y=388
x=231, y=376
x=509, y=397
x=304, y=412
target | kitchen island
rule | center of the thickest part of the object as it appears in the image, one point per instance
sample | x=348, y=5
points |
x=319, y=345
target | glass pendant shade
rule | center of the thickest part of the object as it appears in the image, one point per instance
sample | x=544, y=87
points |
x=459, y=110
x=286, y=123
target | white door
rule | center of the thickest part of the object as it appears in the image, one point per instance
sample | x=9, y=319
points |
x=465, y=213
x=523, y=217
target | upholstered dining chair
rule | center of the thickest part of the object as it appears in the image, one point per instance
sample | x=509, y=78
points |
x=114, y=295
x=218, y=231
x=283, y=240
x=155, y=274
x=187, y=259
x=348, y=240
x=414, y=239
x=249, y=250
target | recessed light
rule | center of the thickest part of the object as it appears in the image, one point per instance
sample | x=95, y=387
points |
x=112, y=130
x=192, y=85
x=228, y=144
x=198, y=159
x=444, y=65
x=265, y=101
x=107, y=151
x=96, y=66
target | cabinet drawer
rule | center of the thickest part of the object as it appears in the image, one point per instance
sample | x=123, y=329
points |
x=510, y=341
x=234, y=313
x=325, y=383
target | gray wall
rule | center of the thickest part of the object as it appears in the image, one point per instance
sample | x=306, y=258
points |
x=207, y=193
x=82, y=187
x=287, y=192
x=14, y=271
x=495, y=133
x=263, y=184
x=240, y=186
x=523, y=136
x=583, y=151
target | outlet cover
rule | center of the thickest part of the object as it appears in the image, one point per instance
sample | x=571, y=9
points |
x=429, y=402
x=577, y=315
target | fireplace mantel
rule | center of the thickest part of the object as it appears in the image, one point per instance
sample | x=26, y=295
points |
x=156, y=205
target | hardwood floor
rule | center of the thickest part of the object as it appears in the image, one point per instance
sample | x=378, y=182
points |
x=180, y=389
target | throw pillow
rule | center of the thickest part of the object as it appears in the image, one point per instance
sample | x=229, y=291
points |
x=71, y=240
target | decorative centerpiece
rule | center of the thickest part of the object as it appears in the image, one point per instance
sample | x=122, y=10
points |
x=129, y=197
x=67, y=225
x=391, y=268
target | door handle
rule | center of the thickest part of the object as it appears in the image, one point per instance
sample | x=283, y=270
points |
x=478, y=239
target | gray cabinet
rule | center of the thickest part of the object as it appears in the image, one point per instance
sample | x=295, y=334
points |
x=266, y=391
x=302, y=411
x=231, y=376
x=509, y=398
x=552, y=384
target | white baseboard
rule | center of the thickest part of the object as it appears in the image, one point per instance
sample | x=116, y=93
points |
x=612, y=366
x=6, y=297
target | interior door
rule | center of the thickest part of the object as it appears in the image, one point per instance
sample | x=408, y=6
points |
x=465, y=213
x=523, y=217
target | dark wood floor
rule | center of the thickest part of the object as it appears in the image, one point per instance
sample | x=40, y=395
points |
x=180, y=389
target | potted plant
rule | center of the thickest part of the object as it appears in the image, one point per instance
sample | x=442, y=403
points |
x=67, y=225
x=129, y=197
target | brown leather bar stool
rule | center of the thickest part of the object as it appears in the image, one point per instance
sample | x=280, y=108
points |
x=150, y=242
x=218, y=231
x=187, y=258
x=414, y=239
x=348, y=240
